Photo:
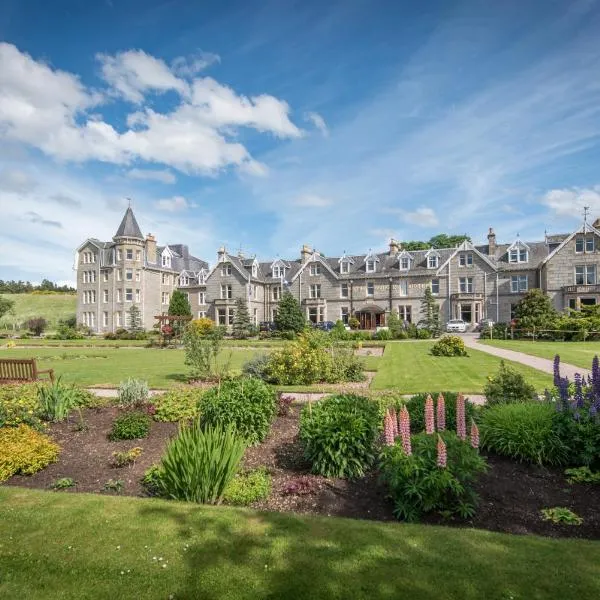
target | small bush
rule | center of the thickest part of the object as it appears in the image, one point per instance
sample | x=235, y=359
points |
x=63, y=483
x=133, y=393
x=523, y=431
x=284, y=405
x=177, y=405
x=19, y=404
x=37, y=325
x=131, y=425
x=114, y=485
x=248, y=404
x=418, y=485
x=303, y=485
x=449, y=345
x=416, y=409
x=257, y=366
x=126, y=457
x=58, y=400
x=581, y=435
x=25, y=451
x=339, y=434
x=383, y=335
x=200, y=462
x=426, y=334
x=508, y=385
x=582, y=475
x=561, y=516
x=152, y=480
x=248, y=487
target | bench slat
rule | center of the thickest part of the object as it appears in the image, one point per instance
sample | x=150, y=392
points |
x=21, y=369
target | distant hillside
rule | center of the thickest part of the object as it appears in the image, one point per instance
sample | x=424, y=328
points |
x=50, y=306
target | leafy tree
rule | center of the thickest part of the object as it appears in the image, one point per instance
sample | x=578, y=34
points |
x=135, y=319
x=443, y=240
x=202, y=349
x=37, y=325
x=535, y=310
x=289, y=314
x=415, y=245
x=242, y=326
x=430, y=313
x=6, y=306
x=395, y=325
x=179, y=306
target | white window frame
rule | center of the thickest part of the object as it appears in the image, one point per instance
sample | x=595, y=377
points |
x=465, y=285
x=105, y=276
x=201, y=298
x=276, y=272
x=344, y=290
x=437, y=284
x=119, y=254
x=119, y=295
x=465, y=259
x=314, y=290
x=128, y=294
x=586, y=270
x=276, y=292
x=104, y=319
x=404, y=263
x=432, y=261
x=104, y=295
x=226, y=291
x=370, y=265
x=345, y=267
x=314, y=269
x=118, y=319
x=128, y=274
x=226, y=270
x=165, y=298
x=370, y=284
x=519, y=283
x=344, y=314
x=138, y=296
x=129, y=254
x=403, y=287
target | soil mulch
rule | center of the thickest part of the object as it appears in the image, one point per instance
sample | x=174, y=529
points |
x=511, y=494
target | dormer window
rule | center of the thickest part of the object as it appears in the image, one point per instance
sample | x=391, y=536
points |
x=344, y=267
x=254, y=270
x=370, y=265
x=465, y=259
x=166, y=260
x=432, y=261
x=184, y=280
x=517, y=255
x=202, y=276
x=315, y=269
x=277, y=272
x=226, y=270
x=405, y=263
x=585, y=243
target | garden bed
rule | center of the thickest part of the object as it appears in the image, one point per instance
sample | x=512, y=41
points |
x=512, y=494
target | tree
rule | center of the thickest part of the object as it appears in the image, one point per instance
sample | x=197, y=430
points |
x=202, y=351
x=6, y=306
x=289, y=314
x=395, y=325
x=430, y=313
x=135, y=319
x=37, y=325
x=179, y=306
x=242, y=326
x=535, y=309
x=441, y=240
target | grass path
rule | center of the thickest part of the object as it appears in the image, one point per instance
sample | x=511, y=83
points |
x=412, y=369
x=579, y=354
x=57, y=545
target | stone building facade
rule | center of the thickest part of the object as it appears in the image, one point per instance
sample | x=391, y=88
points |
x=470, y=281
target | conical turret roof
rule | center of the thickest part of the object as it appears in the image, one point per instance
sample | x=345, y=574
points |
x=129, y=226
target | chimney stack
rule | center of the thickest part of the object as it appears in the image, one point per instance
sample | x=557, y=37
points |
x=394, y=247
x=221, y=254
x=305, y=253
x=151, y=248
x=491, y=242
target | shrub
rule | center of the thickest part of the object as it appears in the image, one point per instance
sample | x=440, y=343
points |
x=284, y=405
x=133, y=393
x=303, y=485
x=179, y=404
x=561, y=516
x=63, y=483
x=131, y=425
x=66, y=332
x=257, y=366
x=58, y=400
x=202, y=347
x=19, y=404
x=37, y=325
x=508, y=385
x=354, y=323
x=200, y=462
x=582, y=475
x=339, y=434
x=25, y=451
x=126, y=457
x=449, y=345
x=248, y=487
x=499, y=331
x=425, y=334
x=523, y=431
x=152, y=480
x=114, y=485
x=418, y=485
x=416, y=409
x=247, y=404
x=383, y=335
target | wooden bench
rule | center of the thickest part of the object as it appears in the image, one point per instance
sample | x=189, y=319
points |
x=16, y=370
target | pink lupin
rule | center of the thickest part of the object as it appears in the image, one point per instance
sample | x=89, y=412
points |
x=429, y=419
x=394, y=418
x=474, y=434
x=442, y=457
x=461, y=425
x=388, y=429
x=441, y=413
x=405, y=430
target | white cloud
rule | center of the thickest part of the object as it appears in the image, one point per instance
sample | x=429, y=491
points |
x=173, y=204
x=50, y=110
x=318, y=121
x=570, y=201
x=188, y=66
x=312, y=201
x=162, y=175
x=422, y=217
x=16, y=180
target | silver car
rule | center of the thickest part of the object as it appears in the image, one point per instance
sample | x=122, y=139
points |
x=456, y=326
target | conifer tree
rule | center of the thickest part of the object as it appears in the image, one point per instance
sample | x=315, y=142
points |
x=242, y=326
x=430, y=313
x=289, y=314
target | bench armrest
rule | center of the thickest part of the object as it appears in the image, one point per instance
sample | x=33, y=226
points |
x=50, y=373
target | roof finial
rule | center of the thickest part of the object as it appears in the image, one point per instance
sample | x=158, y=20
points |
x=128, y=202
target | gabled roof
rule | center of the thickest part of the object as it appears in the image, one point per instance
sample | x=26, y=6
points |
x=585, y=228
x=518, y=242
x=129, y=227
x=315, y=257
x=467, y=246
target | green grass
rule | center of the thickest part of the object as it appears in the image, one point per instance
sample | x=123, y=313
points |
x=579, y=354
x=50, y=306
x=91, y=342
x=410, y=368
x=57, y=545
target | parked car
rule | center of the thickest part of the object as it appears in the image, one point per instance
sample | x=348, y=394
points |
x=456, y=326
x=325, y=325
x=484, y=325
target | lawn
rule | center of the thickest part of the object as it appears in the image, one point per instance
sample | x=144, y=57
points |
x=50, y=306
x=579, y=354
x=79, y=546
x=411, y=368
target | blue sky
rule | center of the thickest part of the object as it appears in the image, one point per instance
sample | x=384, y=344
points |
x=266, y=125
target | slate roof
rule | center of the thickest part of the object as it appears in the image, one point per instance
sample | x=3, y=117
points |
x=129, y=226
x=182, y=260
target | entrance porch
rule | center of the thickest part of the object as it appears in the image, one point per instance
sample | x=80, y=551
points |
x=371, y=317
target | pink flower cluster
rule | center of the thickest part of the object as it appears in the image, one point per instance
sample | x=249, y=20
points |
x=442, y=457
x=429, y=419
x=474, y=435
x=461, y=425
x=388, y=429
x=441, y=413
x=404, y=418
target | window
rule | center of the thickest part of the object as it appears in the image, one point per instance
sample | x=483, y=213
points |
x=129, y=254
x=138, y=255
x=166, y=260
x=435, y=286
x=585, y=243
x=225, y=270
x=403, y=287
x=137, y=296
x=105, y=276
x=119, y=275
x=255, y=316
x=88, y=258
x=585, y=275
x=370, y=289
x=166, y=279
x=518, y=283
x=119, y=254
x=226, y=292
x=316, y=314
x=345, y=314
x=344, y=290
x=405, y=263
x=202, y=314
x=590, y=244
x=465, y=259
x=254, y=270
x=277, y=272
x=315, y=269
x=104, y=295
x=118, y=319
x=201, y=297
x=165, y=298
x=104, y=319
x=517, y=255
x=184, y=280
x=405, y=313
x=222, y=316
x=465, y=285
x=370, y=264
x=137, y=275
x=129, y=274
x=230, y=316
x=201, y=277
x=344, y=266
x=256, y=292
x=128, y=295
x=89, y=297
x=314, y=290
x=119, y=298
x=277, y=292
x=432, y=262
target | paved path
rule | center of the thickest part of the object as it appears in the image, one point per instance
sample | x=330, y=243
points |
x=541, y=364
